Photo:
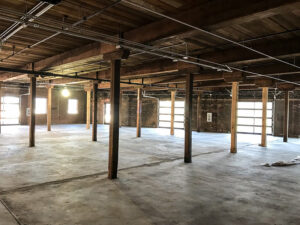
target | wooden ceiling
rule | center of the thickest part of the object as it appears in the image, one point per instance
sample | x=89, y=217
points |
x=271, y=27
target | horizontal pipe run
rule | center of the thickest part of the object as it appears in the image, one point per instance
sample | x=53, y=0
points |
x=48, y=74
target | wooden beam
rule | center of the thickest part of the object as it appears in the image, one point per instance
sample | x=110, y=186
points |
x=286, y=116
x=188, y=119
x=173, y=94
x=264, y=117
x=233, y=12
x=235, y=76
x=49, y=107
x=237, y=55
x=234, y=105
x=199, y=112
x=32, y=111
x=114, y=121
x=139, y=113
x=95, y=110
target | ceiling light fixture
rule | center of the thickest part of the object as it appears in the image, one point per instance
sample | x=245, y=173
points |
x=65, y=92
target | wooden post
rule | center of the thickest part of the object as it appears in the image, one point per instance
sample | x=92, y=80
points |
x=95, y=110
x=286, y=117
x=49, y=107
x=0, y=105
x=114, y=121
x=120, y=114
x=235, y=91
x=188, y=119
x=139, y=112
x=88, y=109
x=198, y=112
x=264, y=117
x=173, y=93
x=32, y=111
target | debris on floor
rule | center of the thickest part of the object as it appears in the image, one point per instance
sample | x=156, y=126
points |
x=284, y=163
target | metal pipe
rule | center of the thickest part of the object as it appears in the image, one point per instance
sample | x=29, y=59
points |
x=13, y=29
x=57, y=33
x=22, y=18
x=48, y=74
x=114, y=40
x=209, y=33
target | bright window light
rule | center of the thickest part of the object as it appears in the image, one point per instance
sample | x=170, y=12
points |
x=72, y=106
x=107, y=113
x=10, y=110
x=250, y=117
x=41, y=106
x=165, y=114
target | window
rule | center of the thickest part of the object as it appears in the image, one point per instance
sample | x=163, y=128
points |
x=10, y=110
x=165, y=114
x=107, y=113
x=72, y=106
x=41, y=106
x=250, y=117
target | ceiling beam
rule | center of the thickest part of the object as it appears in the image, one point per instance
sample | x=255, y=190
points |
x=212, y=15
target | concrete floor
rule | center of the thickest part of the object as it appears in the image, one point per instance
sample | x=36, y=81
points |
x=62, y=181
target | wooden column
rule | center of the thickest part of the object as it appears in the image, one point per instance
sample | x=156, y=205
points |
x=49, y=107
x=235, y=91
x=114, y=120
x=120, y=114
x=188, y=119
x=95, y=110
x=173, y=93
x=88, y=109
x=0, y=105
x=264, y=117
x=138, y=113
x=286, y=117
x=198, y=112
x=32, y=111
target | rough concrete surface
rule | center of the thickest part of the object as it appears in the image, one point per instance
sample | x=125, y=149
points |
x=62, y=181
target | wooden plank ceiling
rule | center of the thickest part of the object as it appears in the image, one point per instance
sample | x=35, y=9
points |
x=269, y=26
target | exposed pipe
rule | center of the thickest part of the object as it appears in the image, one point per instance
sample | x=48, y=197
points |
x=209, y=33
x=57, y=33
x=253, y=39
x=22, y=18
x=147, y=96
x=48, y=74
x=113, y=40
x=13, y=29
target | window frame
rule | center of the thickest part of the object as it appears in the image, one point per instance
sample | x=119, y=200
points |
x=256, y=107
x=2, y=106
x=169, y=114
